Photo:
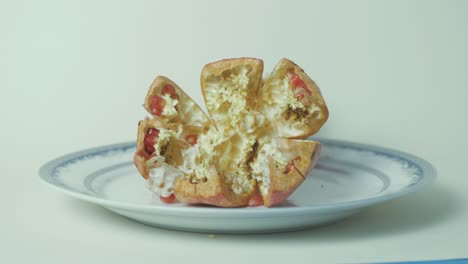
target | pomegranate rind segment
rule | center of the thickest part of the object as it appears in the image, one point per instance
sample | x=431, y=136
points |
x=230, y=87
x=282, y=183
x=212, y=192
x=188, y=112
x=289, y=118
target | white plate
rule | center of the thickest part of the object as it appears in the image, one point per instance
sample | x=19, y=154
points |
x=347, y=178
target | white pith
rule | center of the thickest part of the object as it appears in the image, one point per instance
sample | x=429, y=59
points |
x=169, y=107
x=162, y=177
x=164, y=137
x=226, y=95
x=260, y=165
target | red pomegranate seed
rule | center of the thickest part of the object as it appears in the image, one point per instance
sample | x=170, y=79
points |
x=170, y=199
x=149, y=150
x=153, y=132
x=296, y=81
x=300, y=90
x=149, y=140
x=157, y=105
x=192, y=139
x=170, y=90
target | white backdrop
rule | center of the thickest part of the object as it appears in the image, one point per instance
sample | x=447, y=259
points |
x=74, y=75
